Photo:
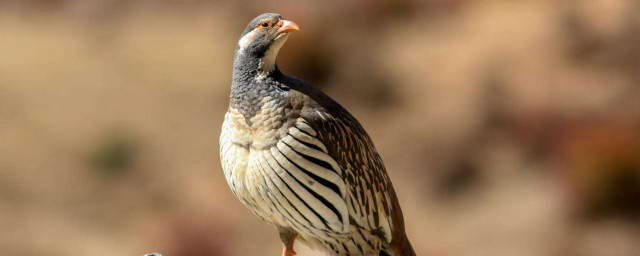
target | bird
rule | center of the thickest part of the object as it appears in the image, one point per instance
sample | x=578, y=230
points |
x=300, y=161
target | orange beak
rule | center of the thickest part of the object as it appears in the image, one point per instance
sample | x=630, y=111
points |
x=288, y=26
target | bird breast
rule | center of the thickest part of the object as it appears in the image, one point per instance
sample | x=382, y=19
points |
x=277, y=168
x=240, y=141
x=243, y=138
x=263, y=129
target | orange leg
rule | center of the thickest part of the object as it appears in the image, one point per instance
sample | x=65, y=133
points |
x=288, y=237
x=288, y=252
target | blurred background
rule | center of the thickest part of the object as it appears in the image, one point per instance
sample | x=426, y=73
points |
x=507, y=127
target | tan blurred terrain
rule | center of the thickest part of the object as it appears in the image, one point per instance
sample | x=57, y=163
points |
x=507, y=127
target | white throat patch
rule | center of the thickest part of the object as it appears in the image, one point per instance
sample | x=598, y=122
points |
x=268, y=62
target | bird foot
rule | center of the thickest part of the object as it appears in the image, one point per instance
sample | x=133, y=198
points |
x=288, y=252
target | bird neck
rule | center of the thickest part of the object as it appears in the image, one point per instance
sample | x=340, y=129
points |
x=251, y=83
x=245, y=67
x=250, y=67
x=251, y=70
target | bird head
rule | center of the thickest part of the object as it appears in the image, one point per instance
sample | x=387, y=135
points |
x=264, y=36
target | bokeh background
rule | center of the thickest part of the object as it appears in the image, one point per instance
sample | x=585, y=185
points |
x=507, y=127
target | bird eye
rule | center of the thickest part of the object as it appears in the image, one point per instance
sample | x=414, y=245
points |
x=264, y=24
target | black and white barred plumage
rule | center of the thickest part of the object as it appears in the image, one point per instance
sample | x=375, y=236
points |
x=300, y=161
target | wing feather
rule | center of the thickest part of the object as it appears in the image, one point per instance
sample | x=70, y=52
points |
x=365, y=177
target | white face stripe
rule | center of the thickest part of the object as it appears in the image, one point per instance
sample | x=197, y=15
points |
x=268, y=62
x=246, y=40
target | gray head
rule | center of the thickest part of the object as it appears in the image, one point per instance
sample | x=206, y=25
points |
x=263, y=38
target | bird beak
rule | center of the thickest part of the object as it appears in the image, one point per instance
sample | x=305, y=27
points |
x=288, y=26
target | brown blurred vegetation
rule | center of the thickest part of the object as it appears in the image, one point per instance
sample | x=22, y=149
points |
x=508, y=127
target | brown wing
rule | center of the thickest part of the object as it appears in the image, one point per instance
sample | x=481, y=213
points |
x=371, y=200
